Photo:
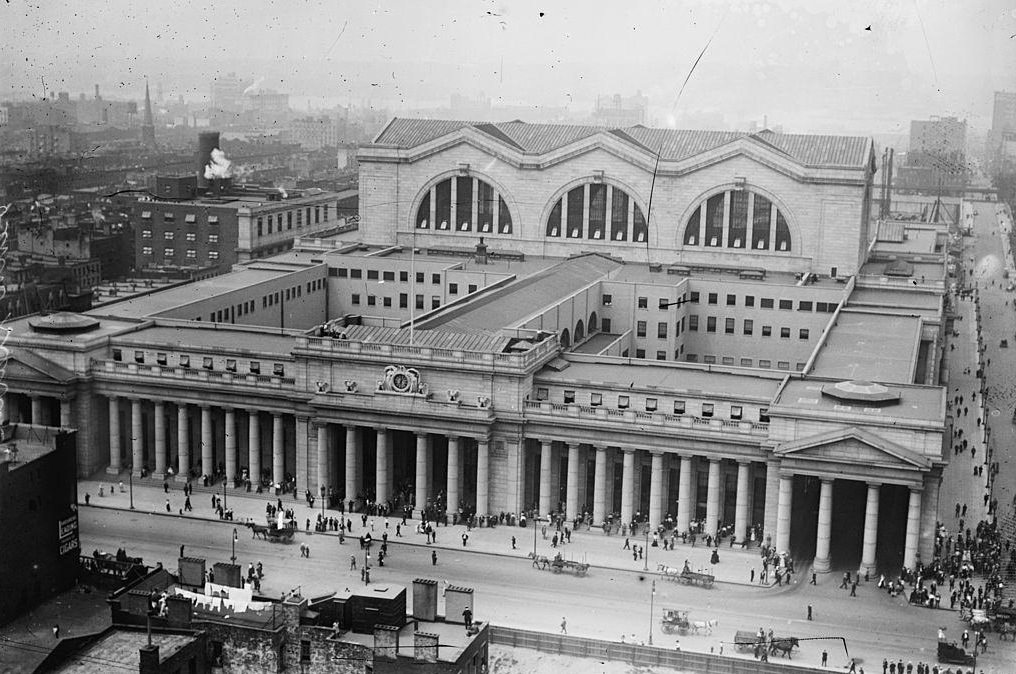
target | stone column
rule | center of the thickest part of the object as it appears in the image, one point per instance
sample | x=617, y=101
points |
x=137, y=439
x=572, y=489
x=5, y=410
x=160, y=439
x=713, y=498
x=656, y=490
x=628, y=486
x=545, y=489
x=182, y=443
x=913, y=529
x=278, y=451
x=600, y=487
x=322, y=461
x=65, y=414
x=453, y=474
x=114, y=435
x=231, y=447
x=772, y=501
x=421, y=472
x=870, y=530
x=482, y=476
x=37, y=413
x=352, y=451
x=381, y=474
x=741, y=506
x=929, y=515
x=684, y=495
x=783, y=513
x=207, y=456
x=825, y=525
x=254, y=447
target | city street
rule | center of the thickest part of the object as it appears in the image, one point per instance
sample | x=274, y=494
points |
x=606, y=604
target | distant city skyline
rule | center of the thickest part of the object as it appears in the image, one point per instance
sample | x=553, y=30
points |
x=812, y=67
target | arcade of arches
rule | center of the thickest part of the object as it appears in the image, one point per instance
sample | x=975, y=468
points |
x=464, y=204
x=738, y=219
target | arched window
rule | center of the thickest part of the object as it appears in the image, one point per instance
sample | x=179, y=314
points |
x=594, y=323
x=450, y=205
x=599, y=212
x=738, y=219
x=580, y=332
x=565, y=339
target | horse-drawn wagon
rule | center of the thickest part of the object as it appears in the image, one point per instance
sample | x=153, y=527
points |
x=747, y=642
x=559, y=564
x=685, y=576
x=276, y=530
x=674, y=620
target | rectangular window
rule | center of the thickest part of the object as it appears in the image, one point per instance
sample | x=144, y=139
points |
x=191, y=236
x=661, y=355
x=403, y=301
x=355, y=273
x=230, y=365
x=767, y=331
x=213, y=255
x=735, y=412
x=820, y=307
x=435, y=279
x=595, y=399
x=713, y=298
x=139, y=356
x=749, y=300
x=643, y=303
x=355, y=299
x=404, y=276
x=299, y=218
x=607, y=300
x=146, y=215
x=472, y=288
x=800, y=367
x=255, y=367
x=679, y=407
x=569, y=397
x=623, y=402
x=342, y=272
x=786, y=304
x=804, y=306
x=289, y=220
x=386, y=301
x=728, y=326
x=766, y=303
x=146, y=233
x=765, y=363
x=169, y=252
x=160, y=358
x=420, y=276
x=372, y=274
x=694, y=297
x=146, y=250
x=169, y=217
x=746, y=362
x=640, y=353
x=783, y=365
x=453, y=288
x=710, y=323
x=371, y=300
x=803, y=333
x=749, y=326
x=419, y=301
x=184, y=361
x=206, y=362
x=664, y=303
x=728, y=360
x=692, y=358
x=707, y=409
x=542, y=393
x=213, y=238
x=709, y=359
x=213, y=219
x=651, y=404
x=279, y=370
x=435, y=302
x=731, y=300
x=605, y=325
x=304, y=650
x=785, y=333
x=388, y=276
x=763, y=415
x=693, y=323
x=640, y=329
x=661, y=330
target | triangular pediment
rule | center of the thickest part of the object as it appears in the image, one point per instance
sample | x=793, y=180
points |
x=26, y=365
x=853, y=446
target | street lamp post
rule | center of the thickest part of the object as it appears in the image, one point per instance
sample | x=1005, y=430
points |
x=130, y=481
x=323, y=492
x=536, y=521
x=225, y=502
x=652, y=598
x=232, y=558
x=645, y=559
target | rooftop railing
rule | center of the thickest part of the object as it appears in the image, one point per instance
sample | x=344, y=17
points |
x=417, y=353
x=193, y=374
x=654, y=418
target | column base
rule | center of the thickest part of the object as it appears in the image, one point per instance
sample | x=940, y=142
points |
x=181, y=477
x=821, y=565
x=110, y=470
x=159, y=476
x=137, y=474
x=866, y=569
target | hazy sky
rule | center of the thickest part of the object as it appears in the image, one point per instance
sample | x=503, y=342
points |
x=809, y=64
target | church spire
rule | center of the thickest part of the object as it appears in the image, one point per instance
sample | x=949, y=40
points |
x=148, y=127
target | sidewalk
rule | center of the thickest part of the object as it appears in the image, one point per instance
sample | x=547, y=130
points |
x=590, y=546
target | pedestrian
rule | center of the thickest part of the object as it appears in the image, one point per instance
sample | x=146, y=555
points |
x=752, y=576
x=825, y=658
x=181, y=549
x=168, y=509
x=465, y=537
x=513, y=542
x=433, y=557
x=88, y=497
x=809, y=611
x=813, y=578
x=165, y=487
x=853, y=589
x=352, y=562
x=627, y=545
x=564, y=625
x=56, y=631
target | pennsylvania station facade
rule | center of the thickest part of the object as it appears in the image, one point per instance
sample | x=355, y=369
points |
x=679, y=326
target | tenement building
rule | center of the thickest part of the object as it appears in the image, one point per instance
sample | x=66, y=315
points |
x=695, y=328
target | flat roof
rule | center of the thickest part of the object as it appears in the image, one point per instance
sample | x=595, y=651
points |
x=448, y=635
x=870, y=346
x=677, y=377
x=920, y=241
x=892, y=297
x=121, y=645
x=517, y=301
x=596, y=343
x=152, y=304
x=27, y=452
x=921, y=403
x=219, y=336
x=20, y=330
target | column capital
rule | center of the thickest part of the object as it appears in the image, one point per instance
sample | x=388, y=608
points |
x=827, y=480
x=628, y=450
x=377, y=429
x=546, y=443
x=916, y=490
x=576, y=445
x=744, y=462
x=875, y=485
x=482, y=440
x=656, y=453
x=303, y=418
x=424, y=435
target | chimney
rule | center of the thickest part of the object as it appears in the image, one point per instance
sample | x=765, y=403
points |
x=386, y=642
x=149, y=659
x=97, y=92
x=425, y=647
x=207, y=141
x=425, y=599
x=481, y=252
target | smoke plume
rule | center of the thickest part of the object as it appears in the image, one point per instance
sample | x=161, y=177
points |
x=254, y=86
x=219, y=167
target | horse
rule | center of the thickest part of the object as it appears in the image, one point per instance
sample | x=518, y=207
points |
x=1006, y=631
x=783, y=646
x=258, y=529
x=668, y=570
x=703, y=626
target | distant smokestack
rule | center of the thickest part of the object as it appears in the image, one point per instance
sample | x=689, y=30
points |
x=207, y=141
x=96, y=92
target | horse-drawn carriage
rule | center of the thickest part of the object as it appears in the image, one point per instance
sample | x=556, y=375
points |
x=276, y=530
x=950, y=653
x=675, y=620
x=559, y=564
x=751, y=642
x=685, y=576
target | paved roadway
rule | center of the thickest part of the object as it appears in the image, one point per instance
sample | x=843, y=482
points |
x=606, y=604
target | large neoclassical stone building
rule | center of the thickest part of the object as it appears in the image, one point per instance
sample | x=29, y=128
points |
x=774, y=366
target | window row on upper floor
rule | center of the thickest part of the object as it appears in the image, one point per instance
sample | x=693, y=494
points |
x=713, y=299
x=278, y=222
x=623, y=401
x=185, y=361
